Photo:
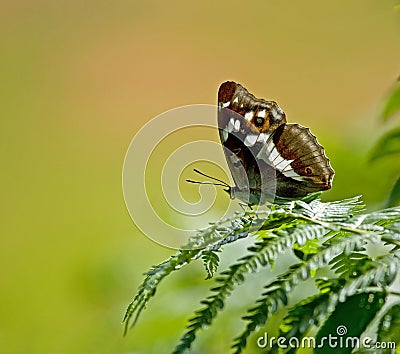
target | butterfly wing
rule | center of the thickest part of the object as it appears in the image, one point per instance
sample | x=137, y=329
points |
x=299, y=160
x=264, y=153
x=245, y=124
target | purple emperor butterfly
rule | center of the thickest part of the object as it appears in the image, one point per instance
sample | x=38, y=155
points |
x=266, y=155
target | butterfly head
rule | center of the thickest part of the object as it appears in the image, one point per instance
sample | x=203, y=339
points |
x=249, y=196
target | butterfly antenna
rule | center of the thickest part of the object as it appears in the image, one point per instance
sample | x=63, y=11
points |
x=214, y=184
x=221, y=183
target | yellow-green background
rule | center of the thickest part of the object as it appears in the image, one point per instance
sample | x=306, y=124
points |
x=79, y=78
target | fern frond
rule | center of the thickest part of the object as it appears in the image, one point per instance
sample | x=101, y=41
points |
x=284, y=285
x=345, y=265
x=384, y=217
x=305, y=314
x=220, y=235
x=211, y=262
x=381, y=273
x=263, y=253
x=321, y=234
x=314, y=310
x=389, y=327
x=330, y=212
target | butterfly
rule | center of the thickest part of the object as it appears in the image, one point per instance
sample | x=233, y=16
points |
x=267, y=156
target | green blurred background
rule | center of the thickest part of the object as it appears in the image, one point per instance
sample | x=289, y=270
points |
x=80, y=78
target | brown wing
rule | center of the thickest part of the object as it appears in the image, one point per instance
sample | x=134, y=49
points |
x=245, y=124
x=300, y=161
x=259, y=115
x=258, y=145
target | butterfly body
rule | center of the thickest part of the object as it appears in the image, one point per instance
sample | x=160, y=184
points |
x=266, y=155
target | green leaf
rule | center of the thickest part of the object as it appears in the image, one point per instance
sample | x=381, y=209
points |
x=392, y=104
x=300, y=224
x=389, y=328
x=297, y=273
x=351, y=265
x=260, y=255
x=211, y=262
x=203, y=242
x=302, y=316
x=394, y=198
x=348, y=322
x=306, y=251
x=389, y=144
